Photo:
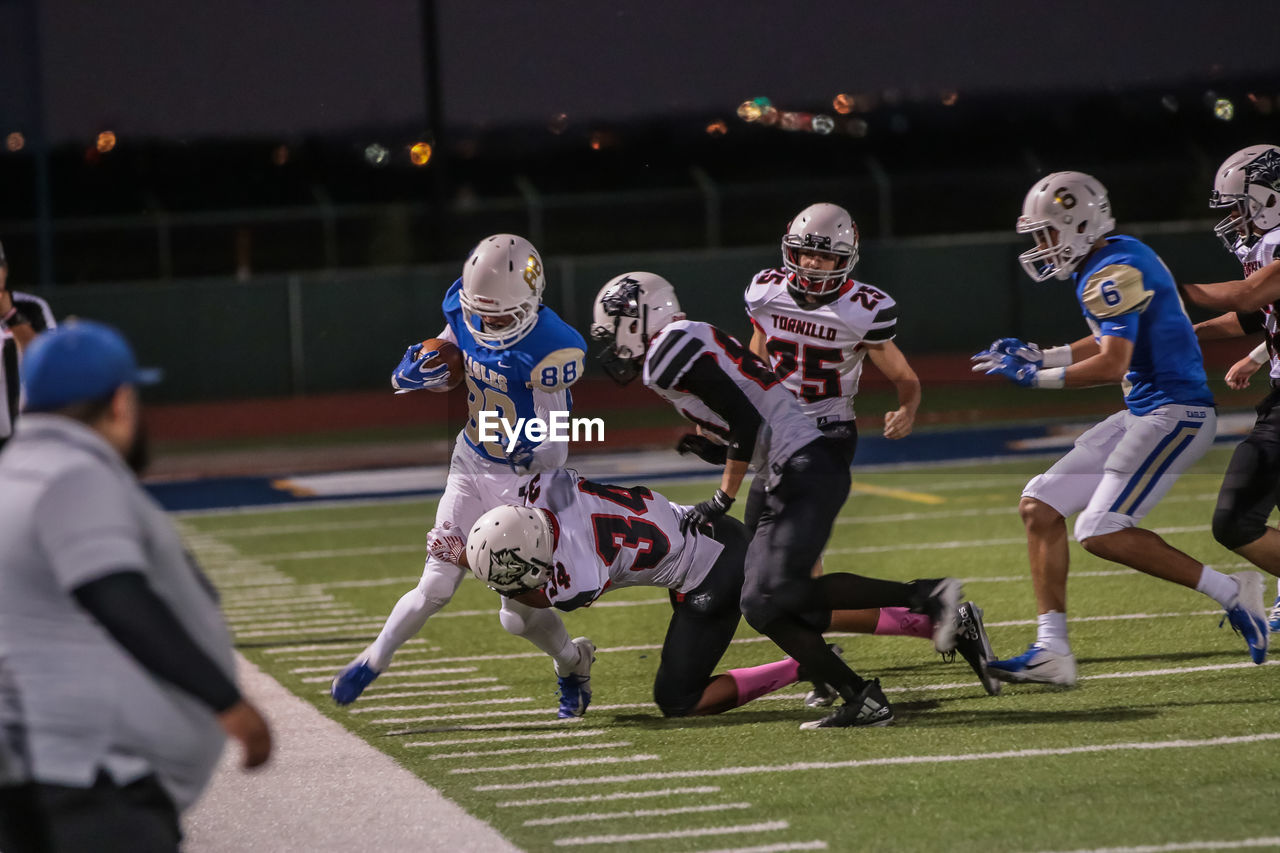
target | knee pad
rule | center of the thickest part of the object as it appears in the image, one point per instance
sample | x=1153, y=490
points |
x=1090, y=524
x=439, y=582
x=513, y=621
x=1233, y=530
x=676, y=706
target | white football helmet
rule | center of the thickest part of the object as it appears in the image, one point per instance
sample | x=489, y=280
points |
x=502, y=284
x=1066, y=213
x=825, y=229
x=510, y=548
x=1248, y=182
x=629, y=311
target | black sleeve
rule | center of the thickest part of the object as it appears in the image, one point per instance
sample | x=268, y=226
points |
x=706, y=381
x=1251, y=321
x=141, y=622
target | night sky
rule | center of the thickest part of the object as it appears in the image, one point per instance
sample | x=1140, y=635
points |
x=289, y=68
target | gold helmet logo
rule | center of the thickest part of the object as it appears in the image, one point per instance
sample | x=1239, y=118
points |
x=1066, y=199
x=532, y=270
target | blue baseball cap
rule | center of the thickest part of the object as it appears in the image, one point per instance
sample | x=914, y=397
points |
x=77, y=362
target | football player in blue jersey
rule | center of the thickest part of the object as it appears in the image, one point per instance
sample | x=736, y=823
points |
x=1142, y=340
x=520, y=359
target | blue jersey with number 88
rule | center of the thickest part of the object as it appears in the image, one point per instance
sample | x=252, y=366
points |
x=1125, y=290
x=548, y=359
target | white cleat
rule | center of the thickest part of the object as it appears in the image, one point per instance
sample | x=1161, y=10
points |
x=1037, y=665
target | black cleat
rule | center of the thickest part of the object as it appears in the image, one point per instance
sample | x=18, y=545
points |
x=868, y=708
x=822, y=695
x=972, y=645
x=938, y=598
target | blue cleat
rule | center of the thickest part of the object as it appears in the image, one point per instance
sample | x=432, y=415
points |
x=1037, y=665
x=351, y=682
x=1248, y=616
x=575, y=688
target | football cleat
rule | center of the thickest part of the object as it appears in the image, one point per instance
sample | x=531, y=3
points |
x=351, y=682
x=575, y=688
x=1248, y=616
x=939, y=600
x=972, y=645
x=868, y=708
x=822, y=695
x=1275, y=616
x=1037, y=665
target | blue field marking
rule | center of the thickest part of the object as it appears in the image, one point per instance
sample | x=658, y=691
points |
x=648, y=466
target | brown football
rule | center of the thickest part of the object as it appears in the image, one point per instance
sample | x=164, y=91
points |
x=450, y=355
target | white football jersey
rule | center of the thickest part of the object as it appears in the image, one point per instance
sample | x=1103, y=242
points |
x=785, y=428
x=609, y=537
x=1254, y=258
x=817, y=352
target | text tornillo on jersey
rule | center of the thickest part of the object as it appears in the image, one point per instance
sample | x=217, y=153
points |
x=558, y=427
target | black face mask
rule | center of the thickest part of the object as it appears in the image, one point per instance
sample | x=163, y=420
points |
x=138, y=456
x=619, y=369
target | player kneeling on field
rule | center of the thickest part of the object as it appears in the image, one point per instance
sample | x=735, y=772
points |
x=574, y=538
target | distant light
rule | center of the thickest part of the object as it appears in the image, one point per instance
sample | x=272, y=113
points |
x=1223, y=109
x=856, y=128
x=769, y=117
x=14, y=141
x=749, y=111
x=559, y=122
x=280, y=155
x=762, y=102
x=597, y=140
x=420, y=153
x=794, y=121
x=823, y=124
x=950, y=97
x=106, y=141
x=842, y=103
x=1170, y=103
x=375, y=154
x=717, y=128
x=1261, y=103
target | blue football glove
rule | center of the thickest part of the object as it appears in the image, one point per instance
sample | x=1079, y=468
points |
x=1015, y=369
x=521, y=457
x=412, y=374
x=1019, y=349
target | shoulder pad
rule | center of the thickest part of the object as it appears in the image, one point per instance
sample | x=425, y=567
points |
x=1114, y=290
x=558, y=370
x=1272, y=240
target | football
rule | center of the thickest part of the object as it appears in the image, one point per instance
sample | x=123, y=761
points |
x=449, y=355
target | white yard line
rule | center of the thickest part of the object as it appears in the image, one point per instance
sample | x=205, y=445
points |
x=1272, y=841
x=481, y=727
x=571, y=762
x=524, y=750
x=898, y=760
x=288, y=649
x=367, y=627
x=373, y=709
x=506, y=738
x=410, y=694
x=744, y=828
x=404, y=673
x=598, y=816
x=780, y=847
x=620, y=795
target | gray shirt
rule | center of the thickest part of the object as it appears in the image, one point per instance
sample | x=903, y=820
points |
x=72, y=512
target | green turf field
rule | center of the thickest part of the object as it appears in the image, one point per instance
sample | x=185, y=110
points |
x=1172, y=736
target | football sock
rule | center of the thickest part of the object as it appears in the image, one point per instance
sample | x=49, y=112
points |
x=901, y=622
x=1221, y=588
x=1051, y=632
x=847, y=591
x=407, y=618
x=820, y=663
x=755, y=681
